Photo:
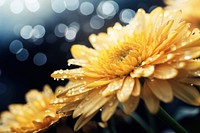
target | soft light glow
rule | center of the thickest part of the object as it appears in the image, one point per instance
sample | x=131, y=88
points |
x=57, y=6
x=75, y=25
x=22, y=54
x=60, y=30
x=15, y=46
x=71, y=4
x=70, y=34
x=96, y=22
x=86, y=8
x=126, y=15
x=40, y=59
x=38, y=31
x=32, y=5
x=107, y=9
x=2, y=2
x=17, y=6
x=26, y=32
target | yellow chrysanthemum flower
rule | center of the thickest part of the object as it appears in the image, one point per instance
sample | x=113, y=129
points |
x=190, y=8
x=151, y=58
x=37, y=115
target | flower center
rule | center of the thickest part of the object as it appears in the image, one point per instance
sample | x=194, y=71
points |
x=117, y=61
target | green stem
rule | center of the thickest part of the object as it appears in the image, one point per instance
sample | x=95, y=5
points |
x=170, y=121
x=140, y=121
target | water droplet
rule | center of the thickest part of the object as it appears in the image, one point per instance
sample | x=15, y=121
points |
x=110, y=104
x=152, y=79
x=173, y=47
x=69, y=64
x=87, y=99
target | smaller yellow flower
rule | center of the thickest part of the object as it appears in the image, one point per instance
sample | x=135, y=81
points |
x=34, y=116
x=190, y=9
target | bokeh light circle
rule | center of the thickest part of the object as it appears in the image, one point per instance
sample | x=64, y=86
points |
x=126, y=15
x=57, y=6
x=15, y=46
x=22, y=54
x=26, y=32
x=16, y=6
x=38, y=31
x=70, y=34
x=96, y=22
x=40, y=59
x=71, y=4
x=86, y=8
x=32, y=5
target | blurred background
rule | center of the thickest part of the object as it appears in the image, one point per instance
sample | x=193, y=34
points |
x=36, y=36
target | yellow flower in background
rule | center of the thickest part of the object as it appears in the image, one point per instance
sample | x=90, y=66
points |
x=34, y=116
x=190, y=9
x=152, y=58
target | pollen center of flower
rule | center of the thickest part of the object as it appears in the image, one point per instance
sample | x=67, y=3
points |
x=117, y=61
x=122, y=55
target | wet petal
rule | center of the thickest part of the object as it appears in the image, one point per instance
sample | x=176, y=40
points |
x=124, y=93
x=165, y=72
x=113, y=86
x=109, y=109
x=83, y=52
x=68, y=74
x=161, y=89
x=82, y=121
x=191, y=81
x=99, y=42
x=186, y=93
x=78, y=62
x=192, y=65
x=131, y=104
x=90, y=99
x=137, y=88
x=144, y=71
x=150, y=99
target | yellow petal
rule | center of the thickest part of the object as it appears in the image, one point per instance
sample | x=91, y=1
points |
x=186, y=93
x=131, y=104
x=47, y=91
x=113, y=86
x=99, y=42
x=150, y=99
x=165, y=72
x=98, y=83
x=91, y=103
x=82, y=121
x=124, y=93
x=97, y=104
x=161, y=89
x=69, y=107
x=192, y=65
x=191, y=81
x=89, y=99
x=144, y=71
x=109, y=109
x=137, y=88
x=78, y=62
x=83, y=52
x=70, y=74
